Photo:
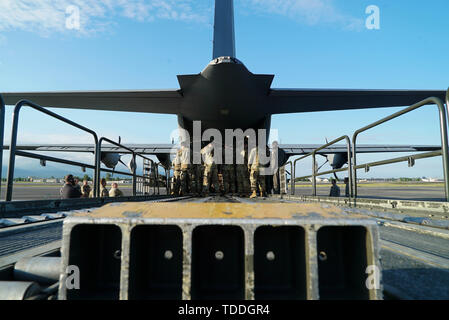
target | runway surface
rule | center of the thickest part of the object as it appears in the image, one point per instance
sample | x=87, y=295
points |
x=420, y=192
x=417, y=191
x=35, y=191
x=414, y=259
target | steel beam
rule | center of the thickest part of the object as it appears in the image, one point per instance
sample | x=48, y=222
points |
x=220, y=250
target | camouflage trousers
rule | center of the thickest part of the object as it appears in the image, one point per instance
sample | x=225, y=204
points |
x=195, y=178
x=184, y=180
x=210, y=178
x=257, y=181
x=242, y=178
x=176, y=182
x=228, y=172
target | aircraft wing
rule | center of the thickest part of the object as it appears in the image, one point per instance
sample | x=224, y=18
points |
x=289, y=149
x=310, y=100
x=302, y=149
x=154, y=101
x=148, y=149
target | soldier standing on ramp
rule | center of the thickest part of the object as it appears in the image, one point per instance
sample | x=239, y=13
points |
x=254, y=166
x=185, y=166
x=228, y=171
x=210, y=169
x=195, y=177
x=176, y=164
x=243, y=186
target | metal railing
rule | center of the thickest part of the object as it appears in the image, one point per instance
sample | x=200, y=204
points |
x=43, y=158
x=291, y=174
x=144, y=186
x=157, y=177
x=315, y=174
x=2, y=132
x=133, y=168
x=443, y=133
x=13, y=144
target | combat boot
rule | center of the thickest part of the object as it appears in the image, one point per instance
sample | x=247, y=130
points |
x=253, y=195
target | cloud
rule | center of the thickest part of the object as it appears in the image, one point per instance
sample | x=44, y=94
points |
x=49, y=16
x=310, y=12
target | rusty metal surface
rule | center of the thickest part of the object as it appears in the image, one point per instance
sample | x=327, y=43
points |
x=426, y=213
x=219, y=210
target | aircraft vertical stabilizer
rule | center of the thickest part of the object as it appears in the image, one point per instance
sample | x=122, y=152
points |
x=224, y=35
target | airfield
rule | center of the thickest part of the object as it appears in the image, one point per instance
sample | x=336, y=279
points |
x=420, y=191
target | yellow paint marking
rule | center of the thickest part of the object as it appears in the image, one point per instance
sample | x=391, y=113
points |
x=218, y=210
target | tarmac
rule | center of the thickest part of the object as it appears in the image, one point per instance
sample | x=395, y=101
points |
x=416, y=191
x=35, y=191
x=414, y=258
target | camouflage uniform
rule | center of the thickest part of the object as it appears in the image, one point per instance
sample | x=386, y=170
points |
x=228, y=178
x=85, y=190
x=185, y=169
x=104, y=193
x=176, y=174
x=115, y=192
x=210, y=170
x=257, y=180
x=243, y=186
x=195, y=178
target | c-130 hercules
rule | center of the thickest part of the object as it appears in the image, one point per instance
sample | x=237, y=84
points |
x=226, y=95
x=231, y=248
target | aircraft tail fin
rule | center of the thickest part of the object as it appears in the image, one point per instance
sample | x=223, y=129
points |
x=224, y=34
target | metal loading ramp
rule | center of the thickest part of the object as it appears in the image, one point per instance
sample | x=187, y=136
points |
x=212, y=249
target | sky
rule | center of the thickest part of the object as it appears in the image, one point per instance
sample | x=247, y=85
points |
x=141, y=44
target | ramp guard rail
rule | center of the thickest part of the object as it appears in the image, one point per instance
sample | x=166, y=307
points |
x=315, y=174
x=96, y=167
x=13, y=144
x=366, y=166
x=352, y=168
x=134, y=154
x=443, y=132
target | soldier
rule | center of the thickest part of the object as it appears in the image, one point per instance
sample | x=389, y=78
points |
x=104, y=193
x=115, y=191
x=176, y=164
x=241, y=170
x=274, y=167
x=256, y=179
x=195, y=177
x=85, y=189
x=68, y=191
x=335, y=190
x=228, y=172
x=210, y=169
x=185, y=167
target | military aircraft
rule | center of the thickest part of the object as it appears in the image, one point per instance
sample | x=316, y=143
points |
x=226, y=95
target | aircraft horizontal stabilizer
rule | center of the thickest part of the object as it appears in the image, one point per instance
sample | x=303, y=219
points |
x=310, y=100
x=152, y=101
